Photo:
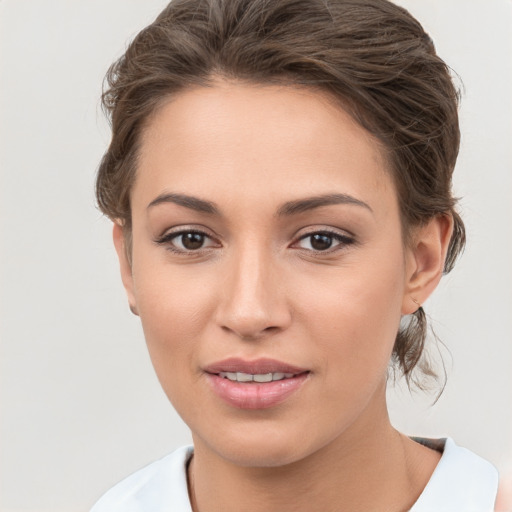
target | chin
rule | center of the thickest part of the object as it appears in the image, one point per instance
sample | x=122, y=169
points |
x=260, y=446
x=261, y=455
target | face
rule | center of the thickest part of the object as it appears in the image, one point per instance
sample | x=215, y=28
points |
x=268, y=269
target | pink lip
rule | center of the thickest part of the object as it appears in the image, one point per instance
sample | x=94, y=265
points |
x=235, y=364
x=255, y=395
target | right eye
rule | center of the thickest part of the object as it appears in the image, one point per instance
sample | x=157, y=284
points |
x=186, y=241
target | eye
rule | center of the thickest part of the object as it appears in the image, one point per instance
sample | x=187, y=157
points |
x=322, y=241
x=186, y=241
x=190, y=241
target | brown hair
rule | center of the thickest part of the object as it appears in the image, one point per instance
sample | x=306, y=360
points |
x=371, y=55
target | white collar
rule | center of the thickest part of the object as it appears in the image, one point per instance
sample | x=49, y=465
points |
x=462, y=481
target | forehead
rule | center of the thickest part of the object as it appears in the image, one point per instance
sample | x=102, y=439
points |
x=253, y=140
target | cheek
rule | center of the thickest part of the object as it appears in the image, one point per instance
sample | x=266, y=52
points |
x=353, y=324
x=174, y=307
x=355, y=314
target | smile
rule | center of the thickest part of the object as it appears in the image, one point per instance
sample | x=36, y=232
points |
x=258, y=377
x=259, y=384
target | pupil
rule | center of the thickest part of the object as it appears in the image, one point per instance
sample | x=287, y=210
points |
x=321, y=242
x=192, y=240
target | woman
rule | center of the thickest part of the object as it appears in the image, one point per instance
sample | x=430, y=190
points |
x=279, y=178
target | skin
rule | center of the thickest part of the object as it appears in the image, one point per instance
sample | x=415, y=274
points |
x=257, y=288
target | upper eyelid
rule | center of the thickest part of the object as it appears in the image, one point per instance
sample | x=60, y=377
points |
x=329, y=230
x=177, y=230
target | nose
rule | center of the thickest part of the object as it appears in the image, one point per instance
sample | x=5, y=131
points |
x=254, y=302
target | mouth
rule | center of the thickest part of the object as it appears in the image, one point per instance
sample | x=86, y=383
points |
x=258, y=367
x=256, y=384
x=255, y=377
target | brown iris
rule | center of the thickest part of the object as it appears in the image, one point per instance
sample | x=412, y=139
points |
x=192, y=241
x=321, y=242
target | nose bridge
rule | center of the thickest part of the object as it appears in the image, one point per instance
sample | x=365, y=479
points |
x=253, y=303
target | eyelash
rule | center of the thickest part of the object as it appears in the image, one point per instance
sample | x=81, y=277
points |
x=167, y=240
x=343, y=240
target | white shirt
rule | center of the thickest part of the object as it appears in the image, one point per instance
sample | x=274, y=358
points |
x=461, y=482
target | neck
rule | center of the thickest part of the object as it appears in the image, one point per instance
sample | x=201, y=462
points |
x=370, y=467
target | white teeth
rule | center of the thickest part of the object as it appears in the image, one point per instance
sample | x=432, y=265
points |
x=258, y=377
x=267, y=377
x=243, y=377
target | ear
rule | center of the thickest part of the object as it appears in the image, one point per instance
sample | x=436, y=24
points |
x=125, y=265
x=425, y=261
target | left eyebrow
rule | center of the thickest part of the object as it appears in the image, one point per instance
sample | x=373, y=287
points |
x=310, y=203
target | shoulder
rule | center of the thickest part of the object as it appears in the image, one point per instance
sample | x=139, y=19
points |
x=461, y=481
x=159, y=486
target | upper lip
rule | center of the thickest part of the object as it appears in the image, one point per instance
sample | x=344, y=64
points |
x=255, y=367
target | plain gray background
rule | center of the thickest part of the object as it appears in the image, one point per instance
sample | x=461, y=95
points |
x=81, y=407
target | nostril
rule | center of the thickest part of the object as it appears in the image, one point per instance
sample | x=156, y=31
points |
x=251, y=334
x=251, y=316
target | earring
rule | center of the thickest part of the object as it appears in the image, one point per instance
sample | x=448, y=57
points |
x=416, y=302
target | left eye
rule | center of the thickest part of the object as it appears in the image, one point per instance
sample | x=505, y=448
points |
x=323, y=241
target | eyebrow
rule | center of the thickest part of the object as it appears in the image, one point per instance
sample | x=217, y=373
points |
x=310, y=203
x=194, y=203
x=287, y=209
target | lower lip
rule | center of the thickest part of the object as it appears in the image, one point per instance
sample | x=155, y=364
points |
x=252, y=395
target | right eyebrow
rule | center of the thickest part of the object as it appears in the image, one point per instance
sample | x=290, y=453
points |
x=194, y=203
